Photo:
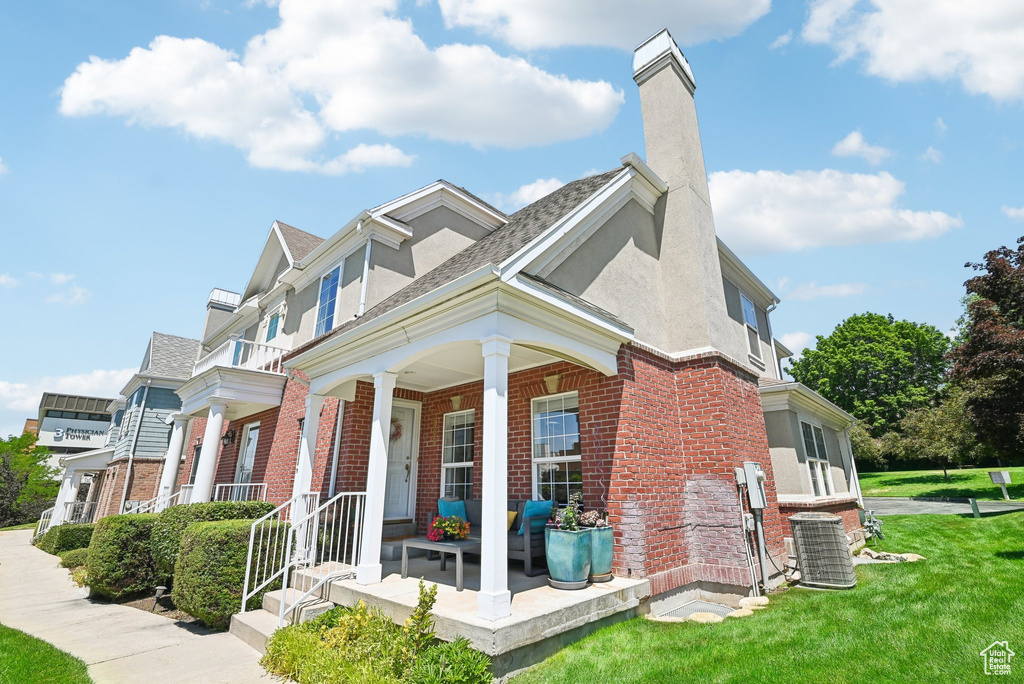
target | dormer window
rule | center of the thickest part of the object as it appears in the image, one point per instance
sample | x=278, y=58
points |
x=328, y=297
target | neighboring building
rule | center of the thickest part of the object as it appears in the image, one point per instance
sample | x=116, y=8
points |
x=31, y=426
x=71, y=424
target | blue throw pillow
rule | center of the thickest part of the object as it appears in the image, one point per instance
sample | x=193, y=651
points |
x=538, y=512
x=447, y=509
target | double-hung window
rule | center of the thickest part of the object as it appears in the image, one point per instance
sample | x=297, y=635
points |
x=817, y=459
x=272, y=324
x=750, y=320
x=557, y=457
x=328, y=297
x=457, y=454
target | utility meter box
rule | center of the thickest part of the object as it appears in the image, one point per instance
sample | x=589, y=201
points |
x=755, y=477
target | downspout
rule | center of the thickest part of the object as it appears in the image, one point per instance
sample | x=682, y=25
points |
x=337, y=449
x=366, y=270
x=135, y=444
x=771, y=338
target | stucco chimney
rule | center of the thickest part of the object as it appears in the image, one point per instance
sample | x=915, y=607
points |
x=690, y=262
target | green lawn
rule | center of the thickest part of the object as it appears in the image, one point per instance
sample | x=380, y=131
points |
x=27, y=660
x=25, y=526
x=969, y=482
x=909, y=622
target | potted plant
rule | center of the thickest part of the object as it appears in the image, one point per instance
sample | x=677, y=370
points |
x=602, y=540
x=567, y=548
x=452, y=527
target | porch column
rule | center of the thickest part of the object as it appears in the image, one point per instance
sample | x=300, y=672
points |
x=369, y=570
x=171, y=461
x=206, y=471
x=307, y=447
x=66, y=493
x=494, y=600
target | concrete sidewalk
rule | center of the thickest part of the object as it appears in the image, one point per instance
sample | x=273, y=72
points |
x=899, y=505
x=118, y=643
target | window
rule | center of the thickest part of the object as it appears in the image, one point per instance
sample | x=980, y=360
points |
x=457, y=454
x=750, y=319
x=272, y=326
x=557, y=458
x=328, y=296
x=817, y=459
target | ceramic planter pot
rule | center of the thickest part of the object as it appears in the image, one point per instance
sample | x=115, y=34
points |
x=601, y=548
x=568, y=557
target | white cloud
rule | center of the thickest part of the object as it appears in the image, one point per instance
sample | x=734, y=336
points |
x=782, y=41
x=7, y=280
x=73, y=296
x=3, y=167
x=530, y=24
x=20, y=400
x=932, y=155
x=772, y=211
x=981, y=44
x=805, y=292
x=854, y=145
x=941, y=126
x=61, y=278
x=361, y=67
x=527, y=194
x=1015, y=213
x=796, y=342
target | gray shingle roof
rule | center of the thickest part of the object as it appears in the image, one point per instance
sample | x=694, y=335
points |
x=171, y=356
x=300, y=243
x=522, y=227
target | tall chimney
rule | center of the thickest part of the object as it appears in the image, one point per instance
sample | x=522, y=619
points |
x=691, y=270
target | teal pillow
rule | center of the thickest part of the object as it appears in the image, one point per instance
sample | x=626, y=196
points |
x=447, y=509
x=538, y=512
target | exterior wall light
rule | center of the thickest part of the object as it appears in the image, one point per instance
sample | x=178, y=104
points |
x=228, y=438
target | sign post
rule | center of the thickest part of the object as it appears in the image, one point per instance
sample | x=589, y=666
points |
x=1001, y=478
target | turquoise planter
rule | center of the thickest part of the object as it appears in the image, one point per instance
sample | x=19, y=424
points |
x=602, y=540
x=568, y=556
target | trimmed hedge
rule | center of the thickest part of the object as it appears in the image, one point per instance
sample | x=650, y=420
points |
x=210, y=572
x=120, y=562
x=75, y=558
x=175, y=520
x=66, y=538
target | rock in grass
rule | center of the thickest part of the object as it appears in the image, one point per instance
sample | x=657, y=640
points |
x=754, y=602
x=740, y=612
x=706, y=617
x=912, y=557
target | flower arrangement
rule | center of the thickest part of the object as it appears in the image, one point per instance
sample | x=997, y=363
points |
x=568, y=517
x=592, y=519
x=452, y=527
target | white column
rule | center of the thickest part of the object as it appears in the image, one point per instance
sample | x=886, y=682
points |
x=171, y=461
x=369, y=570
x=206, y=471
x=307, y=447
x=66, y=493
x=494, y=600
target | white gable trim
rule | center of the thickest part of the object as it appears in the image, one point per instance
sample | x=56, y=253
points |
x=419, y=202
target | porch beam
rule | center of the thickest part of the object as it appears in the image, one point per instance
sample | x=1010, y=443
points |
x=494, y=600
x=303, y=481
x=171, y=461
x=206, y=471
x=369, y=568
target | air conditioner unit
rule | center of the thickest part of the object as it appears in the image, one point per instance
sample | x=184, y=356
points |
x=822, y=552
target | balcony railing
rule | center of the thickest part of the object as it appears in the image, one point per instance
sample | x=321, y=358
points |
x=77, y=512
x=236, y=353
x=254, y=491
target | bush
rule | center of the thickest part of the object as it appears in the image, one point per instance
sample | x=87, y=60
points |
x=175, y=520
x=63, y=538
x=120, y=563
x=451, y=663
x=210, y=572
x=75, y=558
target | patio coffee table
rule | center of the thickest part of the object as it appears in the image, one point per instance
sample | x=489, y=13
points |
x=453, y=546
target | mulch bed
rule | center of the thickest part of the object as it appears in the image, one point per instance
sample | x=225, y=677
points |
x=164, y=608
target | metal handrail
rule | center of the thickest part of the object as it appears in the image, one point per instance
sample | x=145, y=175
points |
x=77, y=512
x=239, y=353
x=44, y=521
x=263, y=568
x=241, y=491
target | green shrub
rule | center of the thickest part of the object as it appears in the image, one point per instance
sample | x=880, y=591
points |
x=451, y=663
x=75, y=558
x=120, y=563
x=65, y=538
x=210, y=571
x=175, y=520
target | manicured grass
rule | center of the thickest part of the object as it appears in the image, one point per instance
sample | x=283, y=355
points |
x=25, y=526
x=969, y=482
x=27, y=660
x=908, y=622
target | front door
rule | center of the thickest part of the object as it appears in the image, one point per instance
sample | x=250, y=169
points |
x=401, y=477
x=245, y=461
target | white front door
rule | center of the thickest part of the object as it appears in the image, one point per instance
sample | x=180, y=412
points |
x=246, y=459
x=401, y=478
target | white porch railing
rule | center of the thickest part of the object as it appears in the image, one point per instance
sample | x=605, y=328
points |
x=159, y=503
x=44, y=521
x=268, y=540
x=236, y=353
x=77, y=512
x=243, y=491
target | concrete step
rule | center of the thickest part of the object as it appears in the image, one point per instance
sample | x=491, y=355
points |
x=398, y=530
x=311, y=606
x=254, y=627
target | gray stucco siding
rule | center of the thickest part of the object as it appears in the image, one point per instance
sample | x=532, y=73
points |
x=789, y=463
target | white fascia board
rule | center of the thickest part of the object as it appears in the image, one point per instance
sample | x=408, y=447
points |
x=798, y=397
x=140, y=379
x=633, y=160
x=752, y=284
x=784, y=351
x=284, y=243
x=554, y=300
x=421, y=201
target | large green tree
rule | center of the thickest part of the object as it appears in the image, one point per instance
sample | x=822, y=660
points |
x=990, y=353
x=877, y=368
x=27, y=484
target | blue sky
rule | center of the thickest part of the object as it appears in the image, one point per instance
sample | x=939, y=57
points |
x=859, y=152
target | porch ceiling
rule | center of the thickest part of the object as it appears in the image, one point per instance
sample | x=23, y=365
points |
x=461, y=363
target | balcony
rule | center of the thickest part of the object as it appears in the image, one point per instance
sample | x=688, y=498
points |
x=244, y=376
x=238, y=353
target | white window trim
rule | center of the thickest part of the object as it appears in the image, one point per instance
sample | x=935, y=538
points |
x=243, y=444
x=813, y=423
x=551, y=459
x=743, y=314
x=340, y=265
x=279, y=312
x=464, y=464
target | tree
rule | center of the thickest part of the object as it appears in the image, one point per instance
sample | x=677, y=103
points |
x=990, y=355
x=27, y=484
x=876, y=368
x=865, y=447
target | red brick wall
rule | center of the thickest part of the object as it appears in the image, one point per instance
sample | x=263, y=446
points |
x=143, y=484
x=848, y=510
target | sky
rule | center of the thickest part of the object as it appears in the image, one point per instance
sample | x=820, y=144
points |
x=858, y=152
